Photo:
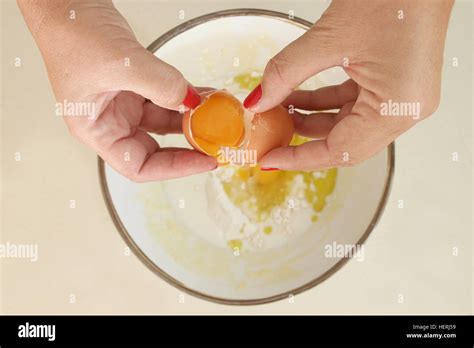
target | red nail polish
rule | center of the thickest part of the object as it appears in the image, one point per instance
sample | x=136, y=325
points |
x=269, y=169
x=192, y=98
x=253, y=97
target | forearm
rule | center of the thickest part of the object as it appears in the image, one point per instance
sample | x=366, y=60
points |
x=75, y=37
x=46, y=19
x=42, y=15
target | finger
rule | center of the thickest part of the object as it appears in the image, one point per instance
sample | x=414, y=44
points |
x=345, y=110
x=164, y=165
x=297, y=62
x=325, y=98
x=160, y=120
x=356, y=137
x=319, y=124
x=139, y=158
x=157, y=81
x=308, y=156
x=344, y=146
x=316, y=125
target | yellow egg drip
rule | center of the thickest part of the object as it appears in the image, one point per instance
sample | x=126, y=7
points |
x=267, y=229
x=235, y=244
x=247, y=81
x=316, y=188
x=259, y=190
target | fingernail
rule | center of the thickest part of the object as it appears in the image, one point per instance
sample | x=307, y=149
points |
x=269, y=169
x=253, y=98
x=192, y=99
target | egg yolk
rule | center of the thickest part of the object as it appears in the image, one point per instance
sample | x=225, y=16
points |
x=218, y=122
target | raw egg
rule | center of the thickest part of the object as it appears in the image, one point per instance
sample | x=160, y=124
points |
x=221, y=127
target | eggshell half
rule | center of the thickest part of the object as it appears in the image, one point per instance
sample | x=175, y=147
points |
x=186, y=122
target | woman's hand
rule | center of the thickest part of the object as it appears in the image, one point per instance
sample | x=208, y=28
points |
x=392, y=52
x=96, y=64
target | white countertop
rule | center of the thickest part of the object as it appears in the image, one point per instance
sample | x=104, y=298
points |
x=418, y=259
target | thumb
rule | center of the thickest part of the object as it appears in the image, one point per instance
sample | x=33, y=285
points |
x=301, y=59
x=158, y=81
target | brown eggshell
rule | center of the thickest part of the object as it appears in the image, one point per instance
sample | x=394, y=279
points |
x=186, y=125
x=270, y=129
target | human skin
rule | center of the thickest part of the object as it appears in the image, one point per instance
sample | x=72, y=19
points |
x=92, y=56
x=386, y=58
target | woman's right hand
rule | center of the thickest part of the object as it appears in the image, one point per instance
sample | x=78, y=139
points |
x=393, y=54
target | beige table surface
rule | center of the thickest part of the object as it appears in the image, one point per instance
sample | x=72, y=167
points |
x=418, y=259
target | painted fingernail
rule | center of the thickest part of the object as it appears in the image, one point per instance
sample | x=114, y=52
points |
x=253, y=98
x=269, y=169
x=192, y=98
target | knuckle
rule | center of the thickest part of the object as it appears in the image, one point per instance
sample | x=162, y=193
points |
x=343, y=158
x=76, y=132
x=277, y=67
x=427, y=99
x=135, y=177
x=340, y=162
x=430, y=105
x=173, y=88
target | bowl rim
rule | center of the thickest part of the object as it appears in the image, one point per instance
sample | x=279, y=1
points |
x=153, y=47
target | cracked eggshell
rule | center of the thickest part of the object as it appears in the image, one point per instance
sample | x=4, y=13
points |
x=263, y=131
x=270, y=129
